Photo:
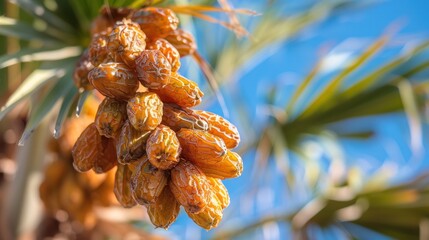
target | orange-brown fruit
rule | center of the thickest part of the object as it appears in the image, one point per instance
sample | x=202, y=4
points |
x=106, y=160
x=106, y=190
x=90, y=180
x=86, y=149
x=153, y=69
x=163, y=148
x=200, y=146
x=122, y=188
x=127, y=40
x=231, y=166
x=180, y=91
x=222, y=128
x=155, y=22
x=183, y=41
x=80, y=74
x=98, y=52
x=169, y=51
x=71, y=195
x=147, y=182
x=210, y=216
x=219, y=190
x=114, y=80
x=190, y=186
x=72, y=129
x=107, y=18
x=111, y=115
x=131, y=143
x=144, y=111
x=164, y=211
x=177, y=118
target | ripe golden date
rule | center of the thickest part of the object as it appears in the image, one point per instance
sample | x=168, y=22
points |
x=222, y=128
x=98, y=52
x=153, y=69
x=180, y=91
x=219, y=190
x=86, y=149
x=127, y=40
x=111, y=115
x=190, y=187
x=106, y=159
x=80, y=74
x=147, y=183
x=90, y=180
x=169, y=51
x=177, y=118
x=164, y=211
x=131, y=143
x=200, y=146
x=155, y=22
x=114, y=80
x=144, y=111
x=73, y=129
x=163, y=148
x=183, y=41
x=231, y=166
x=122, y=188
x=210, y=216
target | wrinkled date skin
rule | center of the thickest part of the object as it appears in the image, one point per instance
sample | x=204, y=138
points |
x=144, y=111
x=122, y=188
x=220, y=192
x=147, y=183
x=127, y=40
x=86, y=149
x=183, y=41
x=222, y=128
x=177, y=118
x=190, y=187
x=163, y=148
x=106, y=160
x=180, y=91
x=231, y=166
x=153, y=69
x=165, y=210
x=169, y=51
x=114, y=80
x=210, y=216
x=80, y=74
x=131, y=143
x=98, y=52
x=111, y=115
x=155, y=22
x=200, y=146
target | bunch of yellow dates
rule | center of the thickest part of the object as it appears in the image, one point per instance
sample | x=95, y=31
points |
x=167, y=155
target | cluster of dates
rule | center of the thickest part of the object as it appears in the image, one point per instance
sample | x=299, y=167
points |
x=167, y=154
x=64, y=189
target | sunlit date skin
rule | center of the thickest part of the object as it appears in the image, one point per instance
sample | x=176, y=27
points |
x=200, y=146
x=183, y=41
x=122, y=187
x=163, y=148
x=177, y=118
x=147, y=182
x=131, y=143
x=86, y=149
x=165, y=210
x=111, y=115
x=80, y=74
x=230, y=166
x=144, y=111
x=190, y=187
x=168, y=50
x=153, y=69
x=127, y=40
x=155, y=22
x=114, y=80
x=180, y=91
x=222, y=128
